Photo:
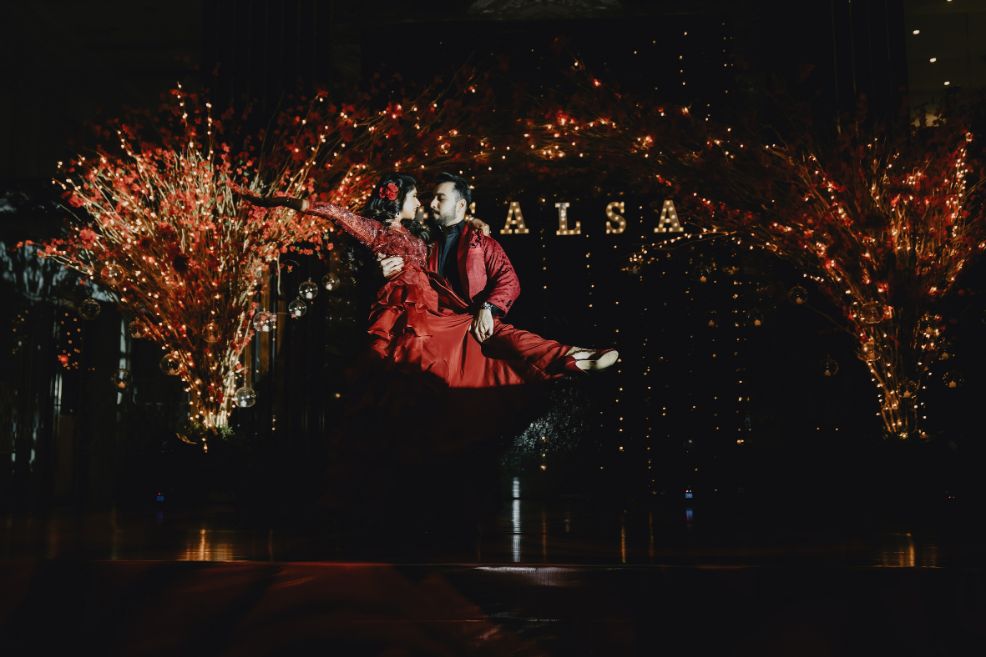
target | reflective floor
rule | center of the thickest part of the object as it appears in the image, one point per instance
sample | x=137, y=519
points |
x=516, y=531
x=526, y=577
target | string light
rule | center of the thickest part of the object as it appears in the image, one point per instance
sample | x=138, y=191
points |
x=927, y=220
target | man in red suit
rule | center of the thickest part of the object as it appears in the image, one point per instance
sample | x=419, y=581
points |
x=476, y=267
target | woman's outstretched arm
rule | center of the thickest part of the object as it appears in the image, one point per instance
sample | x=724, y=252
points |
x=364, y=230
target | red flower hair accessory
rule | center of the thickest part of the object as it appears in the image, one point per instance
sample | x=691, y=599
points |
x=388, y=191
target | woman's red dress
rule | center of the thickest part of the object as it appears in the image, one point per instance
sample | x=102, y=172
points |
x=418, y=321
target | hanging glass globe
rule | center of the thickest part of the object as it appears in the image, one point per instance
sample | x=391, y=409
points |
x=121, y=379
x=798, y=294
x=171, y=363
x=331, y=281
x=308, y=290
x=264, y=321
x=245, y=397
x=89, y=309
x=111, y=273
x=210, y=333
x=909, y=390
x=830, y=366
x=713, y=319
x=297, y=308
x=871, y=313
x=136, y=328
x=755, y=318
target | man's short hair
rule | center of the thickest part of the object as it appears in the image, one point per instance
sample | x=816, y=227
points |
x=461, y=186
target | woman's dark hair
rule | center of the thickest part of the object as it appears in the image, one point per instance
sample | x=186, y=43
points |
x=383, y=208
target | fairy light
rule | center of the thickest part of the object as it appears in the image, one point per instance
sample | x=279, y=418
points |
x=159, y=207
x=616, y=225
x=574, y=138
x=69, y=341
x=933, y=222
x=542, y=247
x=350, y=147
x=646, y=363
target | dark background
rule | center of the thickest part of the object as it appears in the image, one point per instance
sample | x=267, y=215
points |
x=715, y=410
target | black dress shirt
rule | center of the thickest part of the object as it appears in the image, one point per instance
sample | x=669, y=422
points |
x=448, y=263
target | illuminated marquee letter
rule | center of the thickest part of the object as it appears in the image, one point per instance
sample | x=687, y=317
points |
x=668, y=223
x=515, y=221
x=616, y=223
x=563, y=228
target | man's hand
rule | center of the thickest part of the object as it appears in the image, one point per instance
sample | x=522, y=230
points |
x=390, y=266
x=480, y=225
x=482, y=324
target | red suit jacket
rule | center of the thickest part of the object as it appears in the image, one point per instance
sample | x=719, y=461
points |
x=484, y=269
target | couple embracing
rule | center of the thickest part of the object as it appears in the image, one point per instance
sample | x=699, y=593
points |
x=448, y=289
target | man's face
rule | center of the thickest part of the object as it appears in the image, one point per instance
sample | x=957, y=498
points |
x=447, y=208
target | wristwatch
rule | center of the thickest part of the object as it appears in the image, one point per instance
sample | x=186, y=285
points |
x=494, y=310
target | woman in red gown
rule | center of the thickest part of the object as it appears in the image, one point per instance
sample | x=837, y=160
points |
x=418, y=321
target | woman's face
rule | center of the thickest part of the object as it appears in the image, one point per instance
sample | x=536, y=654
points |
x=411, y=204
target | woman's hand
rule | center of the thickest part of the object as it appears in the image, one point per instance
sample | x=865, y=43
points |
x=298, y=204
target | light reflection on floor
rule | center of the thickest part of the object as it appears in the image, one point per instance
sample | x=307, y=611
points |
x=524, y=531
x=210, y=547
x=516, y=534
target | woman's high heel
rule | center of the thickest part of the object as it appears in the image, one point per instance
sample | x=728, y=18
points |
x=599, y=360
